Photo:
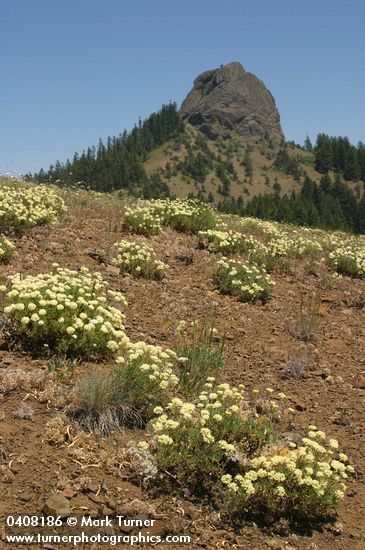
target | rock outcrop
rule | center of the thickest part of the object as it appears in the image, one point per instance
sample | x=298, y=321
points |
x=231, y=99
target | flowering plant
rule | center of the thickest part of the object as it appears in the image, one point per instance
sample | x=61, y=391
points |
x=247, y=281
x=228, y=241
x=138, y=260
x=6, y=249
x=65, y=311
x=349, y=260
x=22, y=207
x=143, y=221
x=306, y=481
x=145, y=377
x=201, y=439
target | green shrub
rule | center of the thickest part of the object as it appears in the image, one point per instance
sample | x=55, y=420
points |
x=248, y=282
x=145, y=378
x=6, y=249
x=227, y=241
x=23, y=207
x=142, y=221
x=307, y=481
x=191, y=216
x=349, y=260
x=138, y=261
x=198, y=442
x=66, y=312
x=198, y=358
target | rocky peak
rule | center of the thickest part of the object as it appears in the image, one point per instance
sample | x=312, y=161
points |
x=231, y=99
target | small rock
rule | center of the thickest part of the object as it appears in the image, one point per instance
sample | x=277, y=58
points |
x=113, y=270
x=98, y=499
x=24, y=497
x=157, y=529
x=6, y=474
x=107, y=511
x=91, y=487
x=57, y=505
x=190, y=510
x=298, y=405
x=330, y=380
x=355, y=535
x=274, y=543
x=343, y=421
x=337, y=528
x=360, y=383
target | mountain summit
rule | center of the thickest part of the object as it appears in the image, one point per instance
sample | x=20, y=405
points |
x=231, y=99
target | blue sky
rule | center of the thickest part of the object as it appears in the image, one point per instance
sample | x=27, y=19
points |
x=76, y=70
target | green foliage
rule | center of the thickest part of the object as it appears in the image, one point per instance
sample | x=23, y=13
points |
x=197, y=442
x=6, y=250
x=145, y=378
x=94, y=403
x=247, y=281
x=191, y=216
x=308, y=144
x=138, y=261
x=247, y=162
x=329, y=205
x=198, y=357
x=227, y=242
x=143, y=221
x=288, y=164
x=337, y=153
x=24, y=206
x=349, y=260
x=118, y=163
x=197, y=166
x=128, y=394
x=303, y=482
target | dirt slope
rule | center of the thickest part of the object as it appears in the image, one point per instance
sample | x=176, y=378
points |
x=94, y=474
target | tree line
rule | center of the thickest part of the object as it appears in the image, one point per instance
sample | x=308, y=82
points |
x=339, y=155
x=118, y=163
x=329, y=204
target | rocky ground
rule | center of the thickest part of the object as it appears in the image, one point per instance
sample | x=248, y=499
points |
x=43, y=453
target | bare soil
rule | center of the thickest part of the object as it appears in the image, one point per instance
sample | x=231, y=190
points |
x=93, y=473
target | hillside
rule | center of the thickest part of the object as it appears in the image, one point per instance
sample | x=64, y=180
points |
x=67, y=448
x=171, y=161
x=225, y=145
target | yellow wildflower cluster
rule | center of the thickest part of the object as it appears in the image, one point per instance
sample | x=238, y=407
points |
x=244, y=280
x=66, y=311
x=190, y=216
x=208, y=434
x=283, y=245
x=22, y=207
x=146, y=377
x=138, y=260
x=183, y=215
x=199, y=436
x=6, y=249
x=143, y=221
x=349, y=260
x=305, y=480
x=155, y=361
x=228, y=241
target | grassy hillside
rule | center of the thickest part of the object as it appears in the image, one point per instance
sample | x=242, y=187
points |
x=170, y=161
